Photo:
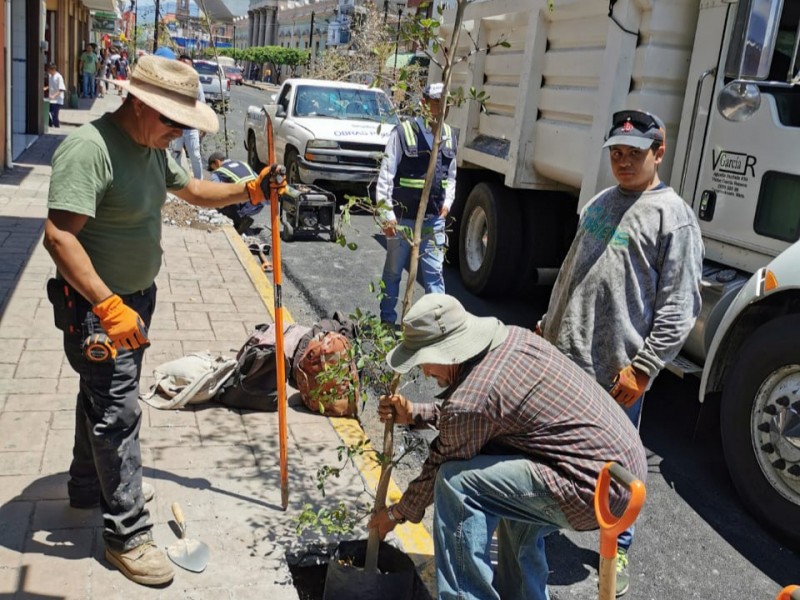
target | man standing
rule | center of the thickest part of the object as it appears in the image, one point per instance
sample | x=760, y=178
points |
x=523, y=435
x=190, y=140
x=55, y=93
x=628, y=292
x=399, y=189
x=234, y=171
x=103, y=231
x=89, y=66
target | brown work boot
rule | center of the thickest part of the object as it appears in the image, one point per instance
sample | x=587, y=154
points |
x=145, y=564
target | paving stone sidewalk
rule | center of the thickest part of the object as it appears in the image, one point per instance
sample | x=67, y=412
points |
x=220, y=464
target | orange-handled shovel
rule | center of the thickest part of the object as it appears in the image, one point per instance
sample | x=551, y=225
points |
x=610, y=525
x=790, y=592
x=272, y=189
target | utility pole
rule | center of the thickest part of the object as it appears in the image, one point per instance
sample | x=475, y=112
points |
x=155, y=35
x=311, y=36
x=135, y=25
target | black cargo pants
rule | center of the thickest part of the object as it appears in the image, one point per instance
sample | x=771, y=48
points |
x=106, y=457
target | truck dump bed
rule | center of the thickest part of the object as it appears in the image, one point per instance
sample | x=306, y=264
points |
x=552, y=92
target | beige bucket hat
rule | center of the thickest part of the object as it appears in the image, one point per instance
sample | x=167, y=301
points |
x=170, y=87
x=438, y=330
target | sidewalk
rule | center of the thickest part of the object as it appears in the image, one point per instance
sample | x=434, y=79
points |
x=220, y=464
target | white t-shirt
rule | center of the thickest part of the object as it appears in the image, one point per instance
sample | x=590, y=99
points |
x=56, y=88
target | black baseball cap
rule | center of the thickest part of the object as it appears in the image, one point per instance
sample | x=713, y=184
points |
x=215, y=156
x=635, y=128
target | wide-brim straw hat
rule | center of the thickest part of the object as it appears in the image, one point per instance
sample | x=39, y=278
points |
x=438, y=330
x=170, y=87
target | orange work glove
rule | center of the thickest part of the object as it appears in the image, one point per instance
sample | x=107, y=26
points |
x=275, y=172
x=629, y=385
x=122, y=324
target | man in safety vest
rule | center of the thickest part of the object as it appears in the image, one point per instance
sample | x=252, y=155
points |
x=399, y=189
x=233, y=171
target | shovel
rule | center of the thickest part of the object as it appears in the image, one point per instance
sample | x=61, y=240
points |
x=610, y=525
x=189, y=554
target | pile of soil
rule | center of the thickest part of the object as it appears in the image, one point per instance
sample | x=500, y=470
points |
x=177, y=213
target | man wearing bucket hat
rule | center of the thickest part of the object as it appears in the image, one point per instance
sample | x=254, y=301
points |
x=523, y=435
x=628, y=292
x=103, y=229
x=399, y=188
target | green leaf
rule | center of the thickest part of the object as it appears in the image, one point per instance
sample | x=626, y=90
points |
x=352, y=246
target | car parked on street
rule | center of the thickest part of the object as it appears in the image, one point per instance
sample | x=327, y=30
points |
x=216, y=85
x=233, y=74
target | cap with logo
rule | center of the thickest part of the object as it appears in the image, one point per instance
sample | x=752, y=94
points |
x=635, y=128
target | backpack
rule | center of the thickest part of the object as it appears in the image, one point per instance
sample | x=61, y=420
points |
x=320, y=392
x=190, y=379
x=253, y=385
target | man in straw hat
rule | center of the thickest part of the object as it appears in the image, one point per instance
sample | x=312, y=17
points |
x=523, y=434
x=103, y=231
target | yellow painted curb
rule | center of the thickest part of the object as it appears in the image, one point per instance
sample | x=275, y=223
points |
x=415, y=539
x=253, y=268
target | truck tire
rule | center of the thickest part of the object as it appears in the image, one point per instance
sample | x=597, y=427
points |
x=252, y=153
x=292, y=167
x=760, y=411
x=490, y=240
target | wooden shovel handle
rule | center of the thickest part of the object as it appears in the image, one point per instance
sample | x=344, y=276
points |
x=178, y=514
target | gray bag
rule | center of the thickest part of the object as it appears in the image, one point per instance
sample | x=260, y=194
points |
x=191, y=379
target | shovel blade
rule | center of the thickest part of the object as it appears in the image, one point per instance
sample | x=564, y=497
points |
x=191, y=555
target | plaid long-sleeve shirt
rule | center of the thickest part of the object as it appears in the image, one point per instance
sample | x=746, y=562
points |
x=528, y=397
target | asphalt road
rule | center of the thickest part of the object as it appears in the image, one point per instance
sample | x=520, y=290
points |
x=693, y=539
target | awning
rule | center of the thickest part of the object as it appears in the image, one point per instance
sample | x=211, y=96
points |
x=104, y=5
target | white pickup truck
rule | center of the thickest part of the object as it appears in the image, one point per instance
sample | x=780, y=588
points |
x=327, y=133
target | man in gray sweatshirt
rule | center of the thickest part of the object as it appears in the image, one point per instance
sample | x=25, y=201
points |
x=628, y=292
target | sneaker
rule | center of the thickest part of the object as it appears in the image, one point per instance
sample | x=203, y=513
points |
x=145, y=564
x=148, y=491
x=623, y=579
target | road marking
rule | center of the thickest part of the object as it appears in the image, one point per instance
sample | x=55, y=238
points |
x=415, y=539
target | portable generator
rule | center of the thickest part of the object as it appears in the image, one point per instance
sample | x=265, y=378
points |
x=307, y=209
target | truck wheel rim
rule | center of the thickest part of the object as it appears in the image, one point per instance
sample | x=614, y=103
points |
x=476, y=240
x=775, y=429
x=294, y=173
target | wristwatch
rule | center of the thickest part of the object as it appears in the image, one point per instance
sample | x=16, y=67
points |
x=390, y=513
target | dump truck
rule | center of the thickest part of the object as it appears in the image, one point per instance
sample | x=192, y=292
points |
x=722, y=75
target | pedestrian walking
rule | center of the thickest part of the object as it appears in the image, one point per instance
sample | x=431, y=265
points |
x=121, y=68
x=628, y=292
x=399, y=191
x=55, y=93
x=234, y=171
x=190, y=140
x=523, y=435
x=103, y=231
x=89, y=65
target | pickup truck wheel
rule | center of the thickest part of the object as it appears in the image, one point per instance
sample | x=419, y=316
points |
x=490, y=240
x=292, y=168
x=760, y=425
x=252, y=153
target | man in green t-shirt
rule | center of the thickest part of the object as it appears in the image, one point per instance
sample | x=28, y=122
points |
x=103, y=231
x=89, y=63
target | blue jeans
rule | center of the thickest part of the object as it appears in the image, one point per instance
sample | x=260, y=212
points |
x=106, y=456
x=431, y=259
x=472, y=500
x=87, y=89
x=191, y=141
x=625, y=539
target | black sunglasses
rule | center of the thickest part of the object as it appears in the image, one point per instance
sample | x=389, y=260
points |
x=640, y=120
x=170, y=123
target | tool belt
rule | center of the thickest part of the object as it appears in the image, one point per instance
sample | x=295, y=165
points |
x=65, y=302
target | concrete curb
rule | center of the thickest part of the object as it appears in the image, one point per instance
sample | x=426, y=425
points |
x=416, y=541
